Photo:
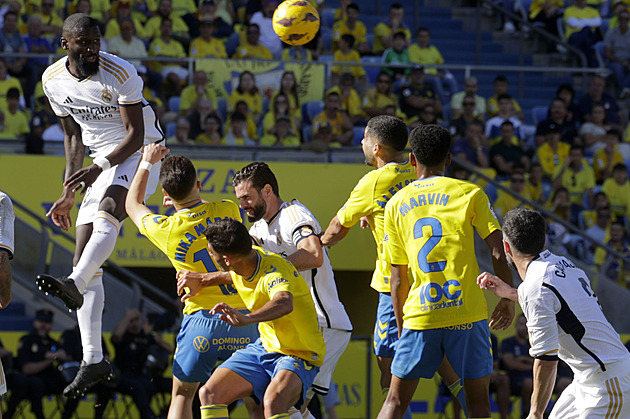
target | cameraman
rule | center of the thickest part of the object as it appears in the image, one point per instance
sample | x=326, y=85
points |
x=134, y=342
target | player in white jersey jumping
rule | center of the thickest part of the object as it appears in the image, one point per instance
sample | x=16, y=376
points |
x=565, y=321
x=291, y=230
x=98, y=98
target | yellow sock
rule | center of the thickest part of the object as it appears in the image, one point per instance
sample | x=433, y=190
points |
x=214, y=411
x=456, y=387
x=280, y=416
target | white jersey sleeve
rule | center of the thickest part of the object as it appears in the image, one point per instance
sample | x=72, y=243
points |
x=94, y=102
x=282, y=234
x=563, y=314
x=7, y=220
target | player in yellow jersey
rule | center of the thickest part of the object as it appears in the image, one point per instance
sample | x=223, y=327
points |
x=279, y=368
x=204, y=338
x=429, y=241
x=383, y=145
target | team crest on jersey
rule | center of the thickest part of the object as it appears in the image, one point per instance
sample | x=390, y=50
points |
x=201, y=344
x=106, y=96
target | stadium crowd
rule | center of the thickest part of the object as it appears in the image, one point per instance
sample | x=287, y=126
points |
x=573, y=161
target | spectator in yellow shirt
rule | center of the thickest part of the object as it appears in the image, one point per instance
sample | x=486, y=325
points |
x=289, y=86
x=608, y=157
x=279, y=109
x=346, y=53
x=378, y=97
x=14, y=122
x=350, y=99
x=248, y=92
x=500, y=86
x=352, y=26
x=332, y=114
x=384, y=31
x=122, y=10
x=505, y=201
x=553, y=152
x=165, y=11
x=250, y=47
x=206, y=45
x=192, y=94
x=617, y=189
x=166, y=46
x=282, y=135
x=212, y=131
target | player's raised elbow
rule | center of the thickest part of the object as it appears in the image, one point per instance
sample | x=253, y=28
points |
x=284, y=303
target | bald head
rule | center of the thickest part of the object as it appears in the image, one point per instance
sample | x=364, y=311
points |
x=78, y=22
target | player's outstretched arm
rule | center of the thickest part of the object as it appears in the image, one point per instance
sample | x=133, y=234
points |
x=134, y=204
x=59, y=213
x=280, y=305
x=309, y=255
x=544, y=381
x=400, y=291
x=503, y=313
x=487, y=281
x=334, y=233
x=195, y=281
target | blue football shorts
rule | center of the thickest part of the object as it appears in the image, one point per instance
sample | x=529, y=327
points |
x=467, y=346
x=204, y=339
x=258, y=366
x=385, y=329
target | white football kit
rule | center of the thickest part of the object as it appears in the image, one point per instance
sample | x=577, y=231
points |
x=7, y=219
x=94, y=103
x=293, y=223
x=564, y=319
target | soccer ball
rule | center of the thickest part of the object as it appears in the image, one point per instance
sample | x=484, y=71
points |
x=296, y=21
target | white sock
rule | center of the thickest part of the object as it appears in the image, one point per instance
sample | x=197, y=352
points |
x=90, y=317
x=100, y=246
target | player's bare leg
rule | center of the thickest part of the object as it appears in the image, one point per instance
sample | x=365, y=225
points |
x=182, y=399
x=454, y=383
x=478, y=397
x=223, y=387
x=398, y=398
x=283, y=392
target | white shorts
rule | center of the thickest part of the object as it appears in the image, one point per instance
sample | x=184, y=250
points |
x=121, y=174
x=607, y=397
x=336, y=343
x=3, y=381
x=7, y=219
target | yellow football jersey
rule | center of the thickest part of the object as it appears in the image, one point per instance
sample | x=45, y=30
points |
x=180, y=236
x=430, y=227
x=297, y=333
x=368, y=199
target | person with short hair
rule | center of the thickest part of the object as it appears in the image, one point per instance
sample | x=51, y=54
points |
x=565, y=321
x=181, y=187
x=441, y=314
x=291, y=230
x=279, y=368
x=384, y=142
x=98, y=98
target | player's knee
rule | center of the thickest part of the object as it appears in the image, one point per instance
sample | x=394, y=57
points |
x=275, y=402
x=208, y=394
